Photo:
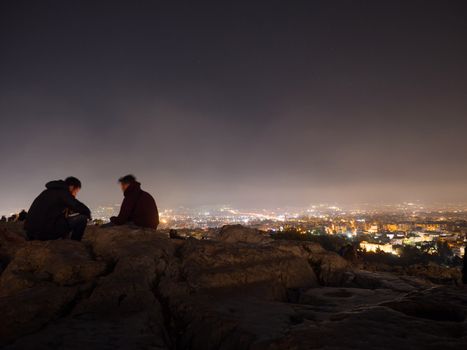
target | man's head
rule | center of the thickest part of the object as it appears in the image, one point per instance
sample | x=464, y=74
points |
x=74, y=185
x=126, y=181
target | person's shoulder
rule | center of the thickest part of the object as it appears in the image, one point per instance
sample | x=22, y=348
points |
x=52, y=192
x=66, y=195
x=146, y=194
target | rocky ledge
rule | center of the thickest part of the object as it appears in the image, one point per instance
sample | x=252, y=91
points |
x=125, y=288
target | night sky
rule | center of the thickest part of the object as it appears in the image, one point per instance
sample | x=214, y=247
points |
x=253, y=104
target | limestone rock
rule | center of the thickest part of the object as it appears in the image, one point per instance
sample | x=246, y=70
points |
x=62, y=262
x=374, y=327
x=30, y=309
x=436, y=273
x=130, y=288
x=330, y=268
x=239, y=233
x=10, y=242
x=209, y=264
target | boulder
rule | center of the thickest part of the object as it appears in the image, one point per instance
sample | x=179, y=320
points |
x=113, y=274
x=437, y=304
x=62, y=262
x=374, y=327
x=42, y=282
x=242, y=234
x=30, y=309
x=114, y=242
x=330, y=268
x=10, y=242
x=436, y=273
x=130, y=288
x=235, y=322
x=72, y=333
x=375, y=280
x=326, y=302
x=209, y=265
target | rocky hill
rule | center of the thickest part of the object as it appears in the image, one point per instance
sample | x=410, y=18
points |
x=124, y=288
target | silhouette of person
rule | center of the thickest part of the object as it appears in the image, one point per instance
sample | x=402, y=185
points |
x=56, y=212
x=138, y=207
x=22, y=215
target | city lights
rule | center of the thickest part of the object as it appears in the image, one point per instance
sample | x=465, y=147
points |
x=375, y=229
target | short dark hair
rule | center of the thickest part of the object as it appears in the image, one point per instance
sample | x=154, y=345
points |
x=127, y=179
x=73, y=181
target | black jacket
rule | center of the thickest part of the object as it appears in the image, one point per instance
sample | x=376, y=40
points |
x=47, y=212
x=138, y=207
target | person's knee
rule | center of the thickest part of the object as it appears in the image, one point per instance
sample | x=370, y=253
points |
x=83, y=218
x=78, y=219
x=78, y=225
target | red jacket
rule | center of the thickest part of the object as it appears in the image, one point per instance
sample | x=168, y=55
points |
x=138, y=207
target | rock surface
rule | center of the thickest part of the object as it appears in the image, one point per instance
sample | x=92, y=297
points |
x=10, y=241
x=126, y=288
x=241, y=234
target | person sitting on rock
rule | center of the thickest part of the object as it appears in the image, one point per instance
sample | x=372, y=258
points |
x=56, y=212
x=138, y=207
x=22, y=215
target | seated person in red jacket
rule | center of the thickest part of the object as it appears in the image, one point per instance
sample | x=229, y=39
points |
x=138, y=207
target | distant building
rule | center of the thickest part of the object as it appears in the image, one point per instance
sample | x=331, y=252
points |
x=375, y=247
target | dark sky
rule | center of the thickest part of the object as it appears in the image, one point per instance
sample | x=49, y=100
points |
x=255, y=104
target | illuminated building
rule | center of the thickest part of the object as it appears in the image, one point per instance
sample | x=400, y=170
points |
x=376, y=247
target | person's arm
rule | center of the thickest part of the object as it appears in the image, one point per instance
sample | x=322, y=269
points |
x=75, y=205
x=125, y=212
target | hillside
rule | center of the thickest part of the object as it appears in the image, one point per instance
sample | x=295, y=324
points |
x=124, y=288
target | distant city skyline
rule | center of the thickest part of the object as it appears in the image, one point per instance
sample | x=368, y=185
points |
x=326, y=206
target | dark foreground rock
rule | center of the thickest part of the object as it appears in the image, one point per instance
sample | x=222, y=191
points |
x=125, y=288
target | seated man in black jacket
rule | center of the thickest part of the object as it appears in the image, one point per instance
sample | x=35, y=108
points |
x=56, y=212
